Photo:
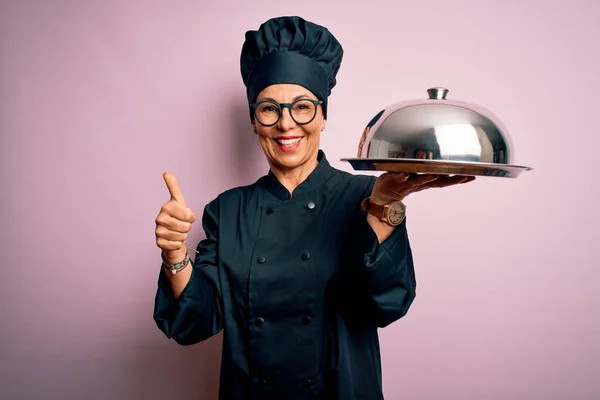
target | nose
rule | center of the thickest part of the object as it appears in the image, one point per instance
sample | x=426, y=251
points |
x=286, y=122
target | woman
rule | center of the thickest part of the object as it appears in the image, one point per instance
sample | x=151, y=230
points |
x=300, y=268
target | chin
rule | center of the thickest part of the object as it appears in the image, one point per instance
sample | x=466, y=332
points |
x=290, y=160
x=293, y=159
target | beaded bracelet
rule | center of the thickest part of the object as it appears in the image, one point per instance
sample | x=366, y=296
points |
x=175, y=268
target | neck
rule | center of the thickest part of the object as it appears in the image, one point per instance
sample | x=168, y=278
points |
x=291, y=178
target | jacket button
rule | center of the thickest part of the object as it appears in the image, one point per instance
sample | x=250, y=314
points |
x=270, y=210
x=259, y=321
x=308, y=384
x=261, y=260
x=260, y=381
x=306, y=319
x=310, y=205
x=305, y=256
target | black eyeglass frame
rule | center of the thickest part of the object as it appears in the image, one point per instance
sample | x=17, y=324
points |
x=281, y=106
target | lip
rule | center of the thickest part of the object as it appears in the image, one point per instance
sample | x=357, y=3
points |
x=287, y=137
x=287, y=149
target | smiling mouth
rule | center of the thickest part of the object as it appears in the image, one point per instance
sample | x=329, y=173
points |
x=288, y=142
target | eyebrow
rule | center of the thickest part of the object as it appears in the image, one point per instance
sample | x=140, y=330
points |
x=301, y=96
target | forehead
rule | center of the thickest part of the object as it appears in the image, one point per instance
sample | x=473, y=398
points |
x=284, y=92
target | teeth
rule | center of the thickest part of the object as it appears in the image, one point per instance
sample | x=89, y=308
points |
x=288, y=142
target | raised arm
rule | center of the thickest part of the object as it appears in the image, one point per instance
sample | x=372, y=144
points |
x=188, y=304
x=379, y=279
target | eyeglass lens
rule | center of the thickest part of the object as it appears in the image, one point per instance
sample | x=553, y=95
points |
x=302, y=111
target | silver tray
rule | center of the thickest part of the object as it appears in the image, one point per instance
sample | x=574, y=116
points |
x=437, y=136
x=436, y=167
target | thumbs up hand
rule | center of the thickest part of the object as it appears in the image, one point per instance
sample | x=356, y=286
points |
x=173, y=223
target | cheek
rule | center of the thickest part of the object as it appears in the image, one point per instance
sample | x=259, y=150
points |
x=313, y=131
x=317, y=126
x=264, y=134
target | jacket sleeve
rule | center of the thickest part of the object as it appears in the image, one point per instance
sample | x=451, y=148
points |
x=198, y=312
x=378, y=281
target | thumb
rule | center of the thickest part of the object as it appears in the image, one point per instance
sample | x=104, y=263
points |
x=173, y=187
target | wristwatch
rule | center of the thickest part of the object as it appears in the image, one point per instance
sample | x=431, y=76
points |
x=393, y=213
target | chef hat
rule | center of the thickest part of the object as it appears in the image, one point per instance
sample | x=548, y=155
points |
x=290, y=50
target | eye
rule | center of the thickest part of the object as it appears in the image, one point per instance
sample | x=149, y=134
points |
x=304, y=106
x=268, y=108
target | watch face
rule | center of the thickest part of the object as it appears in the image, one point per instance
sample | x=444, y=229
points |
x=396, y=214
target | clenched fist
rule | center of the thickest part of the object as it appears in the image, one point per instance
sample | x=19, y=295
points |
x=173, y=223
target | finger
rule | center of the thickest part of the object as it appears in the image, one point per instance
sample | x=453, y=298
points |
x=399, y=176
x=399, y=184
x=167, y=234
x=391, y=180
x=178, y=211
x=453, y=180
x=173, y=187
x=422, y=179
x=444, y=181
x=169, y=245
x=174, y=224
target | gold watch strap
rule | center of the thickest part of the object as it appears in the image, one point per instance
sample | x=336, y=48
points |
x=372, y=208
x=382, y=212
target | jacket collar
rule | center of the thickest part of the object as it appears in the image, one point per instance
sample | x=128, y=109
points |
x=320, y=175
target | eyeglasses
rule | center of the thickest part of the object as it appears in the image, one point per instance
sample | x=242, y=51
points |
x=268, y=112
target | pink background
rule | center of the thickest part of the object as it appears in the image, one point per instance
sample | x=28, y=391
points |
x=99, y=98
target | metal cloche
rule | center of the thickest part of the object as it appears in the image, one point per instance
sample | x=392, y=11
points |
x=437, y=136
